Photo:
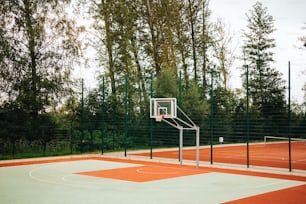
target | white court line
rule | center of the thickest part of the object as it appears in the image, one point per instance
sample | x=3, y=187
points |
x=39, y=179
x=63, y=178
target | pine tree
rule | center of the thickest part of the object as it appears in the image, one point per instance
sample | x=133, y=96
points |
x=303, y=40
x=266, y=87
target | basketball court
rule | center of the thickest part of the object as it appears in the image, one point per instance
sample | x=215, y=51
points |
x=111, y=180
x=171, y=176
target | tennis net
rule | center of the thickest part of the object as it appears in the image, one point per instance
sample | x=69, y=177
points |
x=268, y=139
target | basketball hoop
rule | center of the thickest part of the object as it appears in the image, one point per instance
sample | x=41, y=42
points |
x=165, y=110
x=159, y=118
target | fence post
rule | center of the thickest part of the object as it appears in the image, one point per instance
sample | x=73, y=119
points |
x=180, y=90
x=211, y=115
x=126, y=115
x=180, y=105
x=151, y=121
x=71, y=130
x=102, y=116
x=289, y=117
x=82, y=118
x=247, y=115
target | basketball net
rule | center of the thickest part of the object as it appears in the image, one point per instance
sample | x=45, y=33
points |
x=159, y=118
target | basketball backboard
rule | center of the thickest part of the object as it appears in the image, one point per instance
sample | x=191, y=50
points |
x=163, y=107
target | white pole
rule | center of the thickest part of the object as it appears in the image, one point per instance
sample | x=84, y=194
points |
x=198, y=145
x=181, y=144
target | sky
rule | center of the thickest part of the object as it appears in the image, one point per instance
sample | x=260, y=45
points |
x=289, y=16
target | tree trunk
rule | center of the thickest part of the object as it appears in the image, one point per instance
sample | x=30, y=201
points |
x=141, y=83
x=154, y=38
x=193, y=39
x=31, y=46
x=109, y=47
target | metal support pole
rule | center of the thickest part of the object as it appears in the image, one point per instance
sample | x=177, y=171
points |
x=180, y=104
x=102, y=116
x=198, y=145
x=182, y=125
x=126, y=114
x=82, y=118
x=151, y=121
x=71, y=136
x=180, y=90
x=247, y=116
x=289, y=117
x=211, y=116
x=181, y=145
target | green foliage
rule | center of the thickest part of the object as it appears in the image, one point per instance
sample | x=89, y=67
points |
x=166, y=84
x=193, y=104
x=38, y=54
x=42, y=114
x=266, y=87
x=18, y=126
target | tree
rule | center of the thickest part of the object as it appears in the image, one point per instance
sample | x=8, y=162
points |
x=193, y=9
x=193, y=105
x=266, y=87
x=151, y=19
x=38, y=45
x=205, y=42
x=200, y=38
x=303, y=40
x=165, y=85
x=222, y=53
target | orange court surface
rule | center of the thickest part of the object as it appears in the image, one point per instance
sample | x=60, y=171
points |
x=260, y=154
x=113, y=179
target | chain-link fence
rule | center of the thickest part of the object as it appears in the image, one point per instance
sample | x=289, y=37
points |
x=223, y=115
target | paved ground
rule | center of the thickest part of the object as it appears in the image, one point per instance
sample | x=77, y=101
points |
x=86, y=181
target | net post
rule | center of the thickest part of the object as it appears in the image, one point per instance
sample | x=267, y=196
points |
x=265, y=139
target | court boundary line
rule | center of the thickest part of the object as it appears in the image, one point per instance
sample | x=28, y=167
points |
x=217, y=168
x=189, y=164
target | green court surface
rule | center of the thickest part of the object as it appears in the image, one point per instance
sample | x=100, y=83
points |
x=60, y=182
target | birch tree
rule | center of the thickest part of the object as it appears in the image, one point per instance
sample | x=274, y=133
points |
x=38, y=45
